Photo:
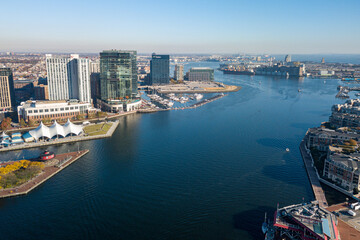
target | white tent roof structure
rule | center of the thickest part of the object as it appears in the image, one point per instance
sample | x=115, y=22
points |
x=69, y=127
x=4, y=136
x=43, y=131
x=57, y=129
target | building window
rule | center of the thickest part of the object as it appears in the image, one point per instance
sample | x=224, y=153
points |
x=35, y=111
x=51, y=110
x=46, y=110
x=41, y=110
x=61, y=109
x=30, y=111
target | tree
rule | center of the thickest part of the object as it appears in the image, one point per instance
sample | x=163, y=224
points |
x=352, y=142
x=80, y=116
x=31, y=123
x=101, y=114
x=355, y=191
x=6, y=123
x=22, y=123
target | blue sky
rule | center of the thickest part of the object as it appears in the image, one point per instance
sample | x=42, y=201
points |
x=197, y=26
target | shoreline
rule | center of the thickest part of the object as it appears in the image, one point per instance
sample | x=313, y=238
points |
x=45, y=175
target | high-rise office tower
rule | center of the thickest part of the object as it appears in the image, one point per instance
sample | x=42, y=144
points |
x=159, y=69
x=7, y=92
x=288, y=58
x=68, y=78
x=118, y=74
x=179, y=72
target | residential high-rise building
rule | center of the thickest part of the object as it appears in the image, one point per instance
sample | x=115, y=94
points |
x=159, y=69
x=68, y=78
x=288, y=58
x=95, y=66
x=179, y=72
x=201, y=74
x=118, y=80
x=7, y=92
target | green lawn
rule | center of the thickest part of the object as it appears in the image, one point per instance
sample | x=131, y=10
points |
x=97, y=129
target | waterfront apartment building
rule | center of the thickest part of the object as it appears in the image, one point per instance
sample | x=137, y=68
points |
x=322, y=138
x=201, y=74
x=179, y=72
x=95, y=66
x=59, y=110
x=159, y=69
x=118, y=80
x=7, y=91
x=346, y=115
x=68, y=78
x=343, y=169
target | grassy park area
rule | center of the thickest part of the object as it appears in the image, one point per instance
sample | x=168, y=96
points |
x=97, y=129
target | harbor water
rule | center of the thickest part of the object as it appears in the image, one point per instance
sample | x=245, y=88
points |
x=205, y=173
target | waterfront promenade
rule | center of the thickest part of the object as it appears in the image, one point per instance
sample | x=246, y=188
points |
x=313, y=176
x=63, y=160
x=61, y=140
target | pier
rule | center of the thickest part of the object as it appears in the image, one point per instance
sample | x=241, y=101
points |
x=63, y=160
x=313, y=175
x=195, y=105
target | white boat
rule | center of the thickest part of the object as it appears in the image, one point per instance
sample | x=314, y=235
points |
x=287, y=149
x=198, y=96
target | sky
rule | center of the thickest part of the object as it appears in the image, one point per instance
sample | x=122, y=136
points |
x=181, y=26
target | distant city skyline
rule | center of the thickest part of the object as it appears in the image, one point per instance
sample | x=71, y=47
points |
x=186, y=27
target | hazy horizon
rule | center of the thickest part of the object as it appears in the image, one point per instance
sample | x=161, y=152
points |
x=186, y=27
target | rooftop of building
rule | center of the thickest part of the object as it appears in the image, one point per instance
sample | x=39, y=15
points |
x=33, y=103
x=333, y=133
x=350, y=161
x=317, y=220
x=118, y=51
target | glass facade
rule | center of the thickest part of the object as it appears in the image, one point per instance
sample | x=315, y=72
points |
x=159, y=69
x=118, y=75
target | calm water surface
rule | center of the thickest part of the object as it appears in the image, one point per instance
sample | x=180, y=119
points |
x=205, y=173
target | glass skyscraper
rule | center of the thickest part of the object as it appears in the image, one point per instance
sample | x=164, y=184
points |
x=118, y=75
x=159, y=69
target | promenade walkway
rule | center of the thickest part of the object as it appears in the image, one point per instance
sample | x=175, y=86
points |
x=64, y=159
x=313, y=176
